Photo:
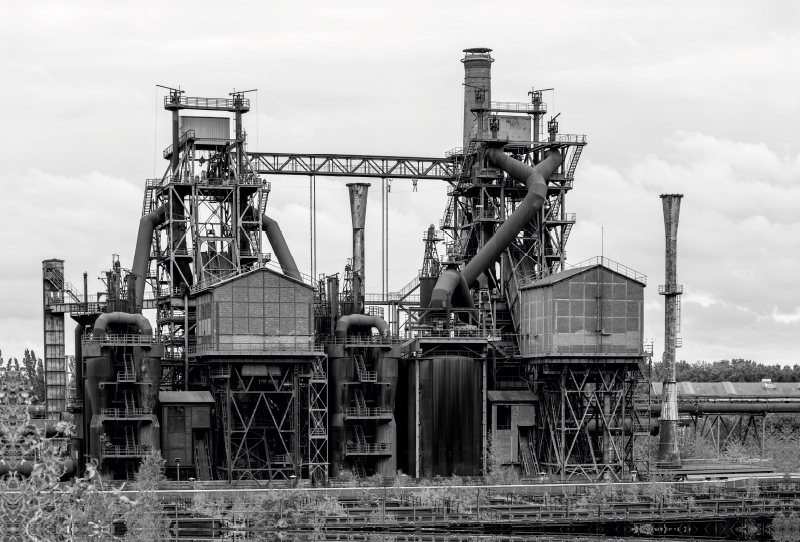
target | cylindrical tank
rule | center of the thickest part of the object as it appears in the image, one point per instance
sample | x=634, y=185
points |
x=337, y=401
x=387, y=372
x=451, y=416
x=477, y=84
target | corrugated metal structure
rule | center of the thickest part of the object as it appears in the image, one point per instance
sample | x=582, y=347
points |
x=583, y=310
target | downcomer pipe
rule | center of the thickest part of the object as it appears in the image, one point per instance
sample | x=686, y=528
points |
x=360, y=320
x=454, y=284
x=279, y=246
x=121, y=318
x=141, y=256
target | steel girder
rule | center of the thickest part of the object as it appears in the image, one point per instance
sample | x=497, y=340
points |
x=345, y=165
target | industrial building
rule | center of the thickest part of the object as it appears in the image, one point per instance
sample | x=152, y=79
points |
x=252, y=370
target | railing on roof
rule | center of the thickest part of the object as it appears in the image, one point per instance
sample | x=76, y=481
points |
x=214, y=280
x=571, y=138
x=209, y=103
x=522, y=107
x=614, y=266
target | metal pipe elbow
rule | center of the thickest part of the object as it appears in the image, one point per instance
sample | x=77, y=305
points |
x=101, y=324
x=360, y=320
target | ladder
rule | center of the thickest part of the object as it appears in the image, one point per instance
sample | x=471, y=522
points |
x=130, y=472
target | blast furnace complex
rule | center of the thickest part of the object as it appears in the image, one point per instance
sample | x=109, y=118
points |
x=238, y=367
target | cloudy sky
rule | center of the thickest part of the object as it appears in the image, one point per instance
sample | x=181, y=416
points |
x=688, y=97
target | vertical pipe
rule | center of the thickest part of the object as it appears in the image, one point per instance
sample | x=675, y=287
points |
x=358, y=211
x=186, y=340
x=386, y=233
x=175, y=137
x=85, y=287
x=228, y=423
x=417, y=426
x=484, y=428
x=383, y=237
x=668, y=451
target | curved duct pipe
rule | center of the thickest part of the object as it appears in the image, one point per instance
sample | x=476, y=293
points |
x=279, y=246
x=360, y=320
x=141, y=256
x=121, y=318
x=454, y=284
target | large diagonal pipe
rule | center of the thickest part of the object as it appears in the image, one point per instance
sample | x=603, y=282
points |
x=141, y=256
x=454, y=285
x=279, y=247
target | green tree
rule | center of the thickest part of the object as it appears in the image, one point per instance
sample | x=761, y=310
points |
x=144, y=518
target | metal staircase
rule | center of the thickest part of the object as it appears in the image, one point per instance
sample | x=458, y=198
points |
x=202, y=454
x=364, y=376
x=130, y=405
x=128, y=374
x=574, y=162
x=361, y=403
x=130, y=438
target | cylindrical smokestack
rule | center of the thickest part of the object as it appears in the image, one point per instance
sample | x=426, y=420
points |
x=477, y=85
x=668, y=452
x=358, y=212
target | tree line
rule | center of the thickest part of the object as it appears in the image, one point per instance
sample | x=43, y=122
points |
x=32, y=369
x=724, y=370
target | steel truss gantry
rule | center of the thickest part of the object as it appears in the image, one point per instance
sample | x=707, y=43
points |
x=588, y=420
x=273, y=422
x=352, y=165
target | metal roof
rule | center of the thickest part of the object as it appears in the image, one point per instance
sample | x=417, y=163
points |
x=509, y=396
x=173, y=397
x=549, y=280
x=734, y=389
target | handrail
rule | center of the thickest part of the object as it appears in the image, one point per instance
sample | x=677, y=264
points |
x=122, y=451
x=121, y=413
x=121, y=338
x=367, y=412
x=208, y=103
x=366, y=449
x=300, y=347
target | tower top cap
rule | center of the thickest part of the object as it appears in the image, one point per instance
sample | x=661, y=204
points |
x=671, y=195
x=478, y=50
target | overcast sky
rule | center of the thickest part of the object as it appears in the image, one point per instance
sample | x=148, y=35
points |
x=698, y=98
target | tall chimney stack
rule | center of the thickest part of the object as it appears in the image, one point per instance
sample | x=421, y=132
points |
x=477, y=87
x=668, y=452
x=358, y=212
